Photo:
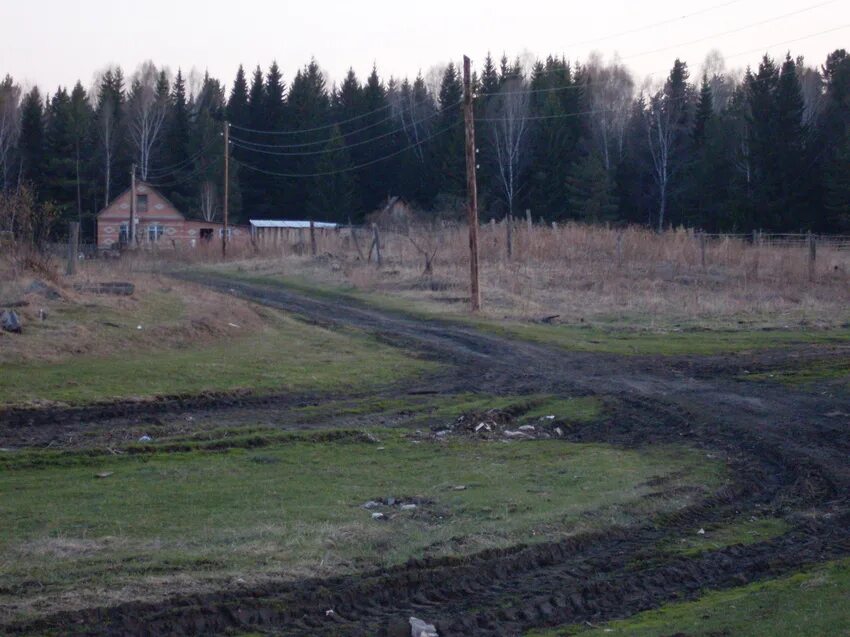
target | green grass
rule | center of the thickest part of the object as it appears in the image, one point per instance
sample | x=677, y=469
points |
x=294, y=509
x=740, y=532
x=288, y=355
x=827, y=371
x=814, y=603
x=611, y=339
x=670, y=343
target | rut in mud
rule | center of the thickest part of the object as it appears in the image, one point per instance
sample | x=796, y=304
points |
x=786, y=449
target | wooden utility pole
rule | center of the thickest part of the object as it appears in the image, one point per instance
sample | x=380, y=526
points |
x=73, y=244
x=226, y=188
x=131, y=231
x=471, y=186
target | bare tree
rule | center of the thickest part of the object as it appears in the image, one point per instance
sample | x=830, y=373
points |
x=10, y=126
x=108, y=120
x=667, y=120
x=508, y=126
x=209, y=201
x=659, y=134
x=147, y=110
x=414, y=108
x=609, y=91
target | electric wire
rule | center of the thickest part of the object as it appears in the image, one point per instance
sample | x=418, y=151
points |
x=358, y=166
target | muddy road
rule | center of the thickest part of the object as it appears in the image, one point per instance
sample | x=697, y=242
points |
x=787, y=450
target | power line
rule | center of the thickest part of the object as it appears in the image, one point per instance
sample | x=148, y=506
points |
x=656, y=24
x=178, y=165
x=245, y=145
x=730, y=31
x=352, y=168
x=311, y=130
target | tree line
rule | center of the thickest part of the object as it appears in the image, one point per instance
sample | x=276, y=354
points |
x=768, y=149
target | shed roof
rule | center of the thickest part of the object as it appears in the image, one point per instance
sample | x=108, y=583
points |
x=284, y=223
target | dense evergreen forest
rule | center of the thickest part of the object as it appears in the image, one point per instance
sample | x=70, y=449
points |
x=768, y=150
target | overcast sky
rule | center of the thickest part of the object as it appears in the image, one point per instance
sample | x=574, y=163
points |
x=53, y=42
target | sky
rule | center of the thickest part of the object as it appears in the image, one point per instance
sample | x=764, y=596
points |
x=57, y=42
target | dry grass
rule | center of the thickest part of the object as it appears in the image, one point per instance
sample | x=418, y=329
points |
x=578, y=272
x=170, y=313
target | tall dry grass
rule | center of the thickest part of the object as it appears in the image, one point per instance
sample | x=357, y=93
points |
x=629, y=276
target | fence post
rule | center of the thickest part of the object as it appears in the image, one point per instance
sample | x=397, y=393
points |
x=509, y=236
x=377, y=240
x=312, y=237
x=528, y=221
x=619, y=249
x=813, y=255
x=702, y=248
x=73, y=243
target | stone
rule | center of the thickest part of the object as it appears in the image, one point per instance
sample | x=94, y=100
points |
x=41, y=288
x=419, y=628
x=379, y=516
x=11, y=322
x=371, y=504
x=408, y=507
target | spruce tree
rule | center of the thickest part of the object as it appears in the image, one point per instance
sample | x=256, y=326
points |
x=60, y=174
x=179, y=186
x=591, y=191
x=31, y=141
x=82, y=117
x=704, y=112
x=331, y=196
x=237, y=103
x=793, y=184
x=377, y=179
x=449, y=155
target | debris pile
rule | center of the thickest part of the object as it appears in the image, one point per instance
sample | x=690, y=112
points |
x=498, y=424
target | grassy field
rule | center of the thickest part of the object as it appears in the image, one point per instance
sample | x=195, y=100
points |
x=813, y=603
x=294, y=508
x=286, y=355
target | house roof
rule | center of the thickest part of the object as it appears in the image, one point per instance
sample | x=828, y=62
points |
x=149, y=188
x=284, y=223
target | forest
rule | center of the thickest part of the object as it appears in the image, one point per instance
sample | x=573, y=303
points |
x=765, y=148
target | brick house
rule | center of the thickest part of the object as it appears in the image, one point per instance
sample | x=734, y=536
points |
x=158, y=223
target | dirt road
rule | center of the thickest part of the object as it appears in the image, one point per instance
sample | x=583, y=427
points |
x=788, y=451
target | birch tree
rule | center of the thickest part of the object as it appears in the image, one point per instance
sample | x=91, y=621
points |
x=667, y=125
x=147, y=109
x=609, y=91
x=10, y=127
x=508, y=127
x=110, y=103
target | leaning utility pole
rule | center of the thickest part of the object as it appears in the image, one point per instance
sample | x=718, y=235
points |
x=471, y=186
x=226, y=187
x=131, y=231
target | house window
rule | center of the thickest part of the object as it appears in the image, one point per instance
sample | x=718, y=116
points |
x=229, y=232
x=206, y=234
x=155, y=231
x=141, y=203
x=123, y=237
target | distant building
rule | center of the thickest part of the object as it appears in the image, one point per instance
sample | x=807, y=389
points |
x=158, y=223
x=265, y=232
